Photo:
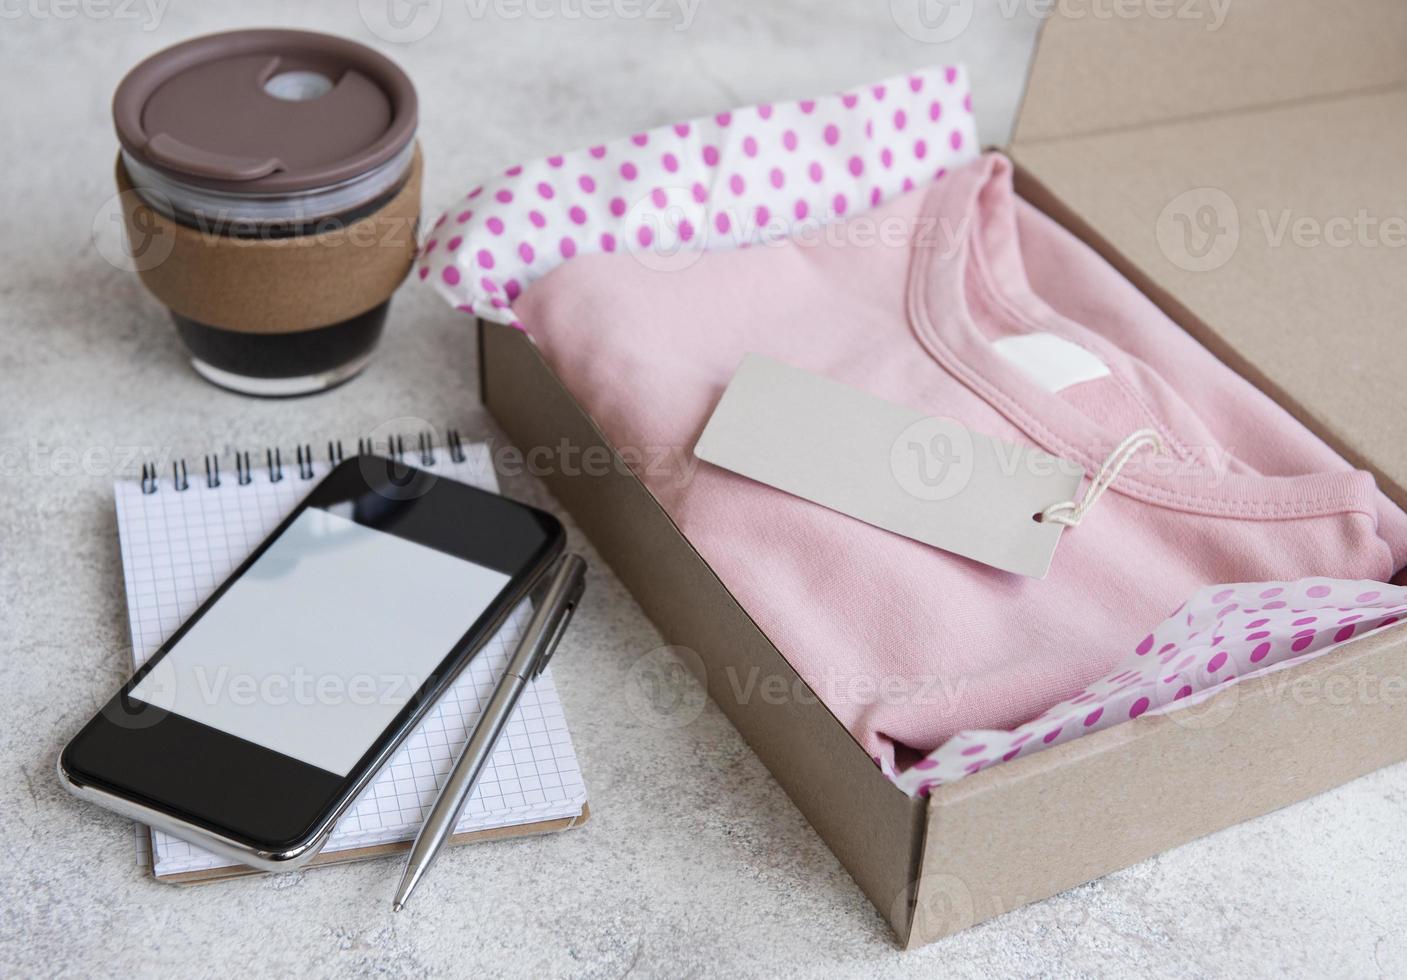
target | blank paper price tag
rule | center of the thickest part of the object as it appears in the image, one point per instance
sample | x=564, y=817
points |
x=925, y=477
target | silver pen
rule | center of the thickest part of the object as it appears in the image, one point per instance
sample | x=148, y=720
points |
x=535, y=648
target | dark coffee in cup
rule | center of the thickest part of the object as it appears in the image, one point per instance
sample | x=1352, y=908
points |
x=283, y=167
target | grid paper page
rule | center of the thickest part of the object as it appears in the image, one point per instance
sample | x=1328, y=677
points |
x=178, y=546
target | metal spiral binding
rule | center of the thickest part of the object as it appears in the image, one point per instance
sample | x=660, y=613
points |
x=273, y=456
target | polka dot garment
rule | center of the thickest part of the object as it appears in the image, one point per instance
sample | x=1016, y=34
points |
x=731, y=180
x=1222, y=635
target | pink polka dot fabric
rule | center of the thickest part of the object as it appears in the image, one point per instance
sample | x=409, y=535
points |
x=735, y=179
x=1222, y=635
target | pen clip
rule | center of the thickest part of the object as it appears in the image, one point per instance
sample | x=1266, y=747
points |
x=556, y=599
x=558, y=631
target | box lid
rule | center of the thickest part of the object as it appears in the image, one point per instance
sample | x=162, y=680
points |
x=1111, y=64
x=1249, y=179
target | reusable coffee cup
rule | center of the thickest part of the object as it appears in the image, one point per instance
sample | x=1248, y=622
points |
x=281, y=171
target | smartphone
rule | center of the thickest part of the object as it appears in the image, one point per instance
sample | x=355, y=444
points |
x=258, y=723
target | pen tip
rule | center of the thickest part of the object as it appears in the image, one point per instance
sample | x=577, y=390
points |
x=397, y=907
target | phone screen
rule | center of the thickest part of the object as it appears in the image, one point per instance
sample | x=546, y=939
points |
x=317, y=647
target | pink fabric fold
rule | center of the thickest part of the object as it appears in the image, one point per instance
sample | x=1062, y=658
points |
x=744, y=177
x=1224, y=635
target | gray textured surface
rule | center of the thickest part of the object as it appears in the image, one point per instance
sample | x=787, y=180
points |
x=694, y=862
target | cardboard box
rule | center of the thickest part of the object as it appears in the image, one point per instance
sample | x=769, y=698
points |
x=1137, y=111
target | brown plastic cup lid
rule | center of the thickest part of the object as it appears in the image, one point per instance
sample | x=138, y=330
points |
x=265, y=111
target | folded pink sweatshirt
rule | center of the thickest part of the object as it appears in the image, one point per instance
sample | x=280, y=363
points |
x=905, y=643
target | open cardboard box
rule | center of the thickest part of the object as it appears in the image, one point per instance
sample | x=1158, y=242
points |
x=1137, y=112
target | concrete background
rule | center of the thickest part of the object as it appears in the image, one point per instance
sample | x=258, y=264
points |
x=694, y=862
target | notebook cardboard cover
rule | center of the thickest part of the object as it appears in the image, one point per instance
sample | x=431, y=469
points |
x=388, y=849
x=1124, y=115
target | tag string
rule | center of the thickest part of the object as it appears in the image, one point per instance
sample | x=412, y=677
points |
x=1070, y=512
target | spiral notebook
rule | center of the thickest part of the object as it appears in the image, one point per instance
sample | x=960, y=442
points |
x=182, y=534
